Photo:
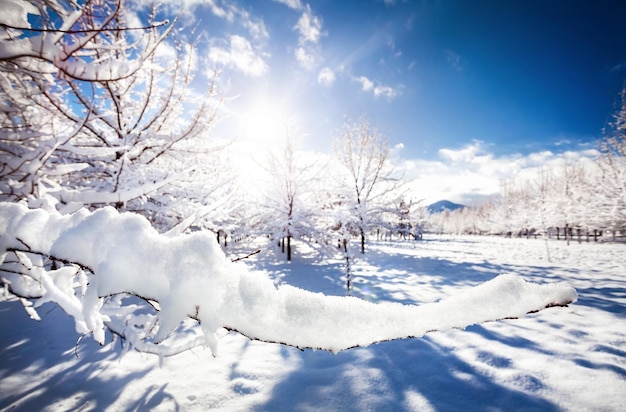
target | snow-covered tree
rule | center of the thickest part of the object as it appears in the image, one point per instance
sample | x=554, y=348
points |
x=611, y=182
x=403, y=224
x=289, y=202
x=405, y=218
x=30, y=134
x=112, y=97
x=369, y=178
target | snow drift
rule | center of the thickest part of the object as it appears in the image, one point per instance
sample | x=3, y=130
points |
x=108, y=254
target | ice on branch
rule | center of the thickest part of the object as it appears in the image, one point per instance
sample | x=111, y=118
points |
x=188, y=276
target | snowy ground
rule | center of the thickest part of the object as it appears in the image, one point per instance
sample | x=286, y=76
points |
x=560, y=359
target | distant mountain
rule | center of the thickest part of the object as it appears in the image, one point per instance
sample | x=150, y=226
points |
x=442, y=205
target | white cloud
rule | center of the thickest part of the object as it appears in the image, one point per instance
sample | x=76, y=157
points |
x=468, y=154
x=223, y=12
x=306, y=57
x=220, y=8
x=309, y=27
x=292, y=4
x=366, y=84
x=377, y=90
x=386, y=91
x=470, y=174
x=540, y=157
x=255, y=26
x=186, y=8
x=326, y=77
x=240, y=55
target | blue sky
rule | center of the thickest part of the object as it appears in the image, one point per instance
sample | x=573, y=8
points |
x=497, y=79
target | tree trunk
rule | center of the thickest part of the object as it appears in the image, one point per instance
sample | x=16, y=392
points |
x=288, y=248
x=348, y=269
x=362, y=241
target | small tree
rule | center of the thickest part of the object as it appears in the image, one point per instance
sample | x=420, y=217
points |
x=288, y=202
x=369, y=178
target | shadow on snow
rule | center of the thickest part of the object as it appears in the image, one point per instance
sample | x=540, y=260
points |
x=413, y=374
x=68, y=383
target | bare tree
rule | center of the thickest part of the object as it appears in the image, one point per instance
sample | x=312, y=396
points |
x=288, y=200
x=364, y=153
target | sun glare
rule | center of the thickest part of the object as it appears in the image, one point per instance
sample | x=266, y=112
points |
x=263, y=123
x=262, y=129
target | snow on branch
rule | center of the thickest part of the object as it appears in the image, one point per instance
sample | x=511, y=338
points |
x=188, y=276
x=80, y=49
x=92, y=197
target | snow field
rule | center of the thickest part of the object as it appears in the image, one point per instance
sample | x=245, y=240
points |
x=558, y=359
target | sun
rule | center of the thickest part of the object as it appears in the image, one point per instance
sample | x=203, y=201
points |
x=262, y=128
x=263, y=123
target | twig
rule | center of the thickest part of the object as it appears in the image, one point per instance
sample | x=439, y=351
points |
x=36, y=30
x=247, y=256
x=64, y=261
x=23, y=243
x=76, y=346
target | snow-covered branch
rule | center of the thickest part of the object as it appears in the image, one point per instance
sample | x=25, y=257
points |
x=188, y=276
x=95, y=111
